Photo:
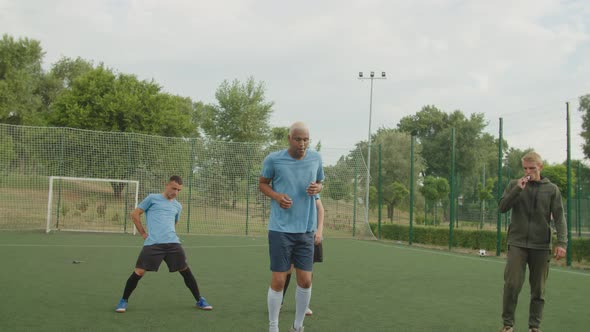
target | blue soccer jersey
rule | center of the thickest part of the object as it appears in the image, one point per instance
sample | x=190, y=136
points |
x=292, y=177
x=161, y=216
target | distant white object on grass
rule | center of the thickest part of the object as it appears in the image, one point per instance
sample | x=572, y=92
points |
x=483, y=252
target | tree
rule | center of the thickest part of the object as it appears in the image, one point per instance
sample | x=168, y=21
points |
x=434, y=189
x=474, y=149
x=241, y=114
x=443, y=189
x=6, y=151
x=67, y=70
x=395, y=161
x=433, y=127
x=318, y=146
x=558, y=175
x=99, y=99
x=60, y=78
x=338, y=189
x=342, y=177
x=395, y=151
x=339, y=182
x=585, y=108
x=21, y=76
x=428, y=190
x=278, y=139
x=393, y=194
x=485, y=193
x=582, y=177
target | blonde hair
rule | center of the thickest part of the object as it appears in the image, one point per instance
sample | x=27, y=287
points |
x=298, y=126
x=533, y=157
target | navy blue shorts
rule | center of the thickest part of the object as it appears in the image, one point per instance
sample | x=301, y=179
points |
x=287, y=248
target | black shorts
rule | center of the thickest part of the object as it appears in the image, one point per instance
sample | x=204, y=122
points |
x=151, y=257
x=318, y=253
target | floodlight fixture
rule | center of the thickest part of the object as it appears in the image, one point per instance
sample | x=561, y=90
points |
x=368, y=180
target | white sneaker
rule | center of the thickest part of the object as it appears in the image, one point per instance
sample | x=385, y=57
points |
x=292, y=329
x=308, y=312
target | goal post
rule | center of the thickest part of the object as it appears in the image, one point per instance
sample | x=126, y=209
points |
x=91, y=204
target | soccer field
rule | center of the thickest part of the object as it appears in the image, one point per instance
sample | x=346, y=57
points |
x=361, y=286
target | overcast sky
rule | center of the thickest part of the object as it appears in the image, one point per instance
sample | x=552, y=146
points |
x=519, y=60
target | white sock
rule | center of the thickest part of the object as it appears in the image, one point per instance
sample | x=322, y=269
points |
x=302, y=297
x=274, y=300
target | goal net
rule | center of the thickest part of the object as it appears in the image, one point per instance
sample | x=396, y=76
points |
x=91, y=205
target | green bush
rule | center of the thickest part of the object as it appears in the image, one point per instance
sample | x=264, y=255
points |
x=470, y=239
x=581, y=249
x=420, y=220
x=429, y=221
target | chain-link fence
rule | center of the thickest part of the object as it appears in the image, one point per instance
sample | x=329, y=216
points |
x=220, y=193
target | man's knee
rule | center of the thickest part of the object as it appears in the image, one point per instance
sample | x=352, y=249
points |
x=303, y=279
x=277, y=283
x=304, y=283
x=139, y=272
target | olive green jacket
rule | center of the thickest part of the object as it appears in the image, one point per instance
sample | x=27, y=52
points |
x=532, y=209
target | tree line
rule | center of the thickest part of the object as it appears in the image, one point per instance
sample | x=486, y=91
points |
x=78, y=93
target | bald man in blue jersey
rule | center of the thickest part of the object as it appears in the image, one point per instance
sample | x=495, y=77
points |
x=291, y=178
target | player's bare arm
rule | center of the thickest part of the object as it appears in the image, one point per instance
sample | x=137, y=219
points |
x=319, y=236
x=136, y=217
x=283, y=199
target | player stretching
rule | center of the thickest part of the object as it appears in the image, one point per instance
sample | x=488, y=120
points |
x=162, y=212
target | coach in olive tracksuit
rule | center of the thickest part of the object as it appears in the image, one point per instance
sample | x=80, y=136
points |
x=534, y=202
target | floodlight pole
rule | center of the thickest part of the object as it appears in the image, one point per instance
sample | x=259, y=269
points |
x=371, y=77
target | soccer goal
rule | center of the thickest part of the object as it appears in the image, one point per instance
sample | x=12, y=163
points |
x=91, y=205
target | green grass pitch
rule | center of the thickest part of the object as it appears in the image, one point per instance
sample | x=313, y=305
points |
x=361, y=286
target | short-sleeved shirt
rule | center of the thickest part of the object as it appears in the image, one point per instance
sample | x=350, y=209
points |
x=292, y=177
x=161, y=216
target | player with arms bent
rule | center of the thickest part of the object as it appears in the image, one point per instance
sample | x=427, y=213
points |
x=292, y=179
x=534, y=201
x=161, y=242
